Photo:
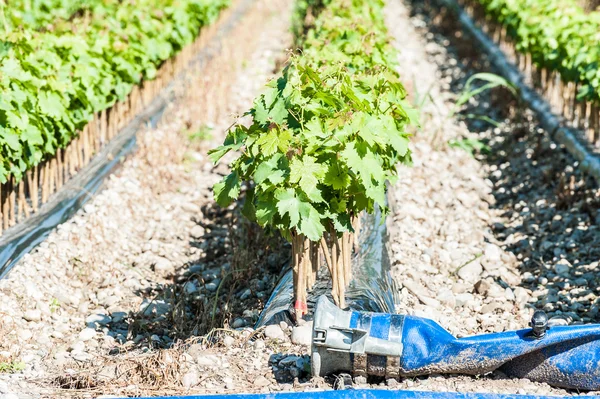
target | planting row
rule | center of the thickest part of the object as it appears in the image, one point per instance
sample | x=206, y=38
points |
x=325, y=139
x=53, y=80
x=555, y=44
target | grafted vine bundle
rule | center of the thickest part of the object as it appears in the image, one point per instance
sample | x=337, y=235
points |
x=325, y=139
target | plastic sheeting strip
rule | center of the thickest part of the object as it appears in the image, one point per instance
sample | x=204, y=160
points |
x=366, y=394
x=372, y=288
x=25, y=236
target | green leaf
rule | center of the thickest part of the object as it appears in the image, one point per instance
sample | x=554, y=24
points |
x=307, y=173
x=227, y=190
x=288, y=204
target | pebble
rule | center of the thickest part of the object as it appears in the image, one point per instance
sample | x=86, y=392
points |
x=302, y=335
x=197, y=232
x=261, y=381
x=163, y=265
x=190, y=379
x=211, y=287
x=238, y=323
x=228, y=341
x=100, y=319
x=32, y=315
x=562, y=267
x=273, y=331
x=86, y=334
x=471, y=271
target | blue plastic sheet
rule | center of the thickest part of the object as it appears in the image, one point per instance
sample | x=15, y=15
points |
x=365, y=394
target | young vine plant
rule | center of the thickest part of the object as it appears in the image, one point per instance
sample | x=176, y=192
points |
x=326, y=137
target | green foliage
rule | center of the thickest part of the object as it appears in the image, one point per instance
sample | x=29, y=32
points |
x=11, y=367
x=559, y=35
x=326, y=135
x=53, y=81
x=472, y=146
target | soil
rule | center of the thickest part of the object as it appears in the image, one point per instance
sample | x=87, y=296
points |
x=152, y=289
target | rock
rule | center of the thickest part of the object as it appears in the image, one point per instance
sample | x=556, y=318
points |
x=86, y=334
x=163, y=265
x=211, y=287
x=489, y=308
x=509, y=294
x=482, y=287
x=100, y=319
x=190, y=288
x=157, y=307
x=460, y=288
x=274, y=332
x=189, y=379
x=245, y=294
x=118, y=317
x=464, y=299
x=302, y=335
x=238, y=323
x=447, y=298
x=191, y=208
x=471, y=271
x=197, y=232
x=228, y=341
x=207, y=360
x=25, y=335
x=521, y=295
x=419, y=291
x=33, y=315
x=289, y=361
x=261, y=381
x=562, y=267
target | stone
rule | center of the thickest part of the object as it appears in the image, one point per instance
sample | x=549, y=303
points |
x=562, y=267
x=32, y=315
x=238, y=323
x=25, y=335
x=157, y=307
x=289, y=361
x=100, y=319
x=118, y=317
x=273, y=331
x=482, y=287
x=86, y=334
x=447, y=298
x=521, y=295
x=302, y=335
x=471, y=271
x=261, y=381
x=211, y=287
x=190, y=288
x=228, y=341
x=190, y=379
x=163, y=265
x=197, y=232
x=245, y=294
x=207, y=360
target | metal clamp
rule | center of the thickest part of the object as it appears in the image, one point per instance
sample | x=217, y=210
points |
x=354, y=340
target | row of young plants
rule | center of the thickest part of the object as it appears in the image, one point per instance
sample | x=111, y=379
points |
x=326, y=137
x=558, y=34
x=53, y=81
x=39, y=14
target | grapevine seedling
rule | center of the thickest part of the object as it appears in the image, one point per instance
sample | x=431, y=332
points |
x=325, y=139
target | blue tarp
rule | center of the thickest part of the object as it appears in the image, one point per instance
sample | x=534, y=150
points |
x=365, y=394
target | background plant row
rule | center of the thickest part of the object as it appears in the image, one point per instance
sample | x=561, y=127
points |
x=327, y=135
x=52, y=81
x=559, y=35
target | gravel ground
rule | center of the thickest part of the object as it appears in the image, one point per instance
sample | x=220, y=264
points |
x=479, y=242
x=152, y=289
x=103, y=305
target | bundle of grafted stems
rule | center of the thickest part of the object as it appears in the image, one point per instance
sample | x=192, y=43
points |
x=334, y=249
